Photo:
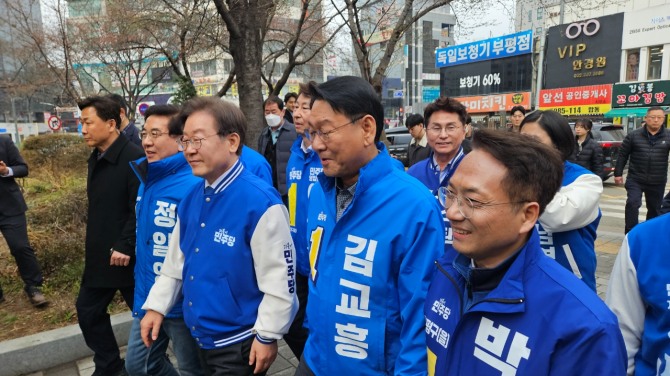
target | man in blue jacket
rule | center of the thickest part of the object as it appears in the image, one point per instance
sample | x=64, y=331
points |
x=496, y=304
x=303, y=168
x=374, y=233
x=165, y=178
x=231, y=256
x=445, y=128
x=639, y=292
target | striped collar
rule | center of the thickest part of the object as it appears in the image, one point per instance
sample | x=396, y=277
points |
x=227, y=178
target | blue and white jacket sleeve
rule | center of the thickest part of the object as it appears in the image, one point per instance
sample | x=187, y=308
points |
x=415, y=273
x=624, y=299
x=167, y=289
x=274, y=262
x=574, y=206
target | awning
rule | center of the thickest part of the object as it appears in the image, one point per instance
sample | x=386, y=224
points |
x=625, y=112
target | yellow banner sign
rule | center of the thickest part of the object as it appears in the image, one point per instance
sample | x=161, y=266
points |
x=584, y=110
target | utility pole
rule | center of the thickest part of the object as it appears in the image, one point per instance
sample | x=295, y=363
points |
x=17, y=141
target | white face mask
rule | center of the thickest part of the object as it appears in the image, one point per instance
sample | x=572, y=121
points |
x=273, y=120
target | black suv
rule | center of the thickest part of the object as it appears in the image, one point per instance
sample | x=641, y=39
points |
x=399, y=139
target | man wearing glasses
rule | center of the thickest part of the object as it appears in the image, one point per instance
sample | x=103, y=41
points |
x=647, y=148
x=445, y=119
x=374, y=234
x=231, y=256
x=165, y=179
x=496, y=304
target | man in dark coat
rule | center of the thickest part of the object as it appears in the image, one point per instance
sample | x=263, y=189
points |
x=110, y=232
x=13, y=221
x=275, y=142
x=646, y=149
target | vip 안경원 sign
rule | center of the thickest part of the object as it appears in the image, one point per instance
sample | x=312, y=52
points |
x=494, y=48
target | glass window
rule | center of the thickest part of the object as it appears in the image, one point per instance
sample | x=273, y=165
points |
x=655, y=60
x=539, y=13
x=203, y=68
x=530, y=15
x=632, y=64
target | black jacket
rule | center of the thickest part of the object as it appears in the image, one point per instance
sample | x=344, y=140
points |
x=648, y=156
x=589, y=155
x=277, y=155
x=416, y=153
x=112, y=192
x=11, y=198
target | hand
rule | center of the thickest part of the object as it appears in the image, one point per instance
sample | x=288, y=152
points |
x=3, y=168
x=618, y=180
x=150, y=326
x=119, y=259
x=261, y=354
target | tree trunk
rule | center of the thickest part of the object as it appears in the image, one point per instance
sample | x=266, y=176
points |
x=246, y=49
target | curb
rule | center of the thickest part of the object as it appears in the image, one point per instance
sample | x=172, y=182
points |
x=53, y=348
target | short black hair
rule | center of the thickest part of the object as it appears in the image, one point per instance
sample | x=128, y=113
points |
x=468, y=120
x=304, y=89
x=534, y=170
x=274, y=99
x=446, y=104
x=105, y=108
x=586, y=123
x=351, y=96
x=517, y=108
x=121, y=101
x=229, y=118
x=655, y=108
x=413, y=120
x=557, y=127
x=290, y=95
x=168, y=110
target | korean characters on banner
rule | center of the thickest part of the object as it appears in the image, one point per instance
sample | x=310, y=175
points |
x=642, y=94
x=582, y=100
x=494, y=48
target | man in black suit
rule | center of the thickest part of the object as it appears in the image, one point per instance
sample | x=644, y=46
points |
x=110, y=230
x=13, y=221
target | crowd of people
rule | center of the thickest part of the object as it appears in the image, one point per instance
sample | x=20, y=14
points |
x=477, y=260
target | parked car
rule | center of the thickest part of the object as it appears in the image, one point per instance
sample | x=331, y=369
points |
x=399, y=139
x=609, y=136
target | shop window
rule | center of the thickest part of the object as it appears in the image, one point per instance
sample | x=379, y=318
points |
x=632, y=64
x=655, y=63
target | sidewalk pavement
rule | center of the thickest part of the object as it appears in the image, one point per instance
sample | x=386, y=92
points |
x=607, y=247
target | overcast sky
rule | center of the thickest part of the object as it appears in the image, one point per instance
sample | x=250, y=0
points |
x=502, y=18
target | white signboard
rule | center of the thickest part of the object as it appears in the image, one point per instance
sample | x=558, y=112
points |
x=646, y=27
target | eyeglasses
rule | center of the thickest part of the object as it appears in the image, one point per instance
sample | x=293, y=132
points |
x=195, y=143
x=154, y=134
x=466, y=206
x=655, y=117
x=437, y=130
x=325, y=136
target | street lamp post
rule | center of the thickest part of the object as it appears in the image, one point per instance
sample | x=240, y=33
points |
x=16, y=125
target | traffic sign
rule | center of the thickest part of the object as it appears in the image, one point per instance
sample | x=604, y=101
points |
x=142, y=108
x=54, y=123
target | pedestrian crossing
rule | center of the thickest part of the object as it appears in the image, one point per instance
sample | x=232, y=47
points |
x=615, y=208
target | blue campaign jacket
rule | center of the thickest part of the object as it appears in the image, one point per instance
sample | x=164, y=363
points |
x=574, y=248
x=539, y=320
x=301, y=174
x=429, y=174
x=224, y=273
x=163, y=184
x=256, y=164
x=369, y=273
x=639, y=292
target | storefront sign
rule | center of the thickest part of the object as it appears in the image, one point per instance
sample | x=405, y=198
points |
x=512, y=74
x=584, y=110
x=646, y=27
x=641, y=94
x=583, y=53
x=494, y=48
x=496, y=102
x=575, y=96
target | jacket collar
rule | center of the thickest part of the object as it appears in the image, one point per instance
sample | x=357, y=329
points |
x=112, y=153
x=296, y=149
x=368, y=175
x=150, y=172
x=227, y=178
x=509, y=295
